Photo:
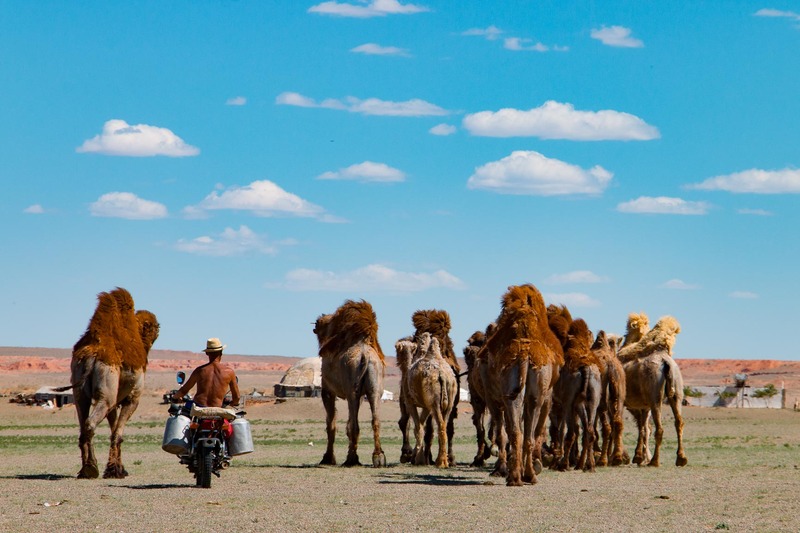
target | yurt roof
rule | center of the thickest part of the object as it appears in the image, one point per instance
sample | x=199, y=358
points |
x=306, y=371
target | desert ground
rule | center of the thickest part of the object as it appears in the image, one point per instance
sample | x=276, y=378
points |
x=743, y=472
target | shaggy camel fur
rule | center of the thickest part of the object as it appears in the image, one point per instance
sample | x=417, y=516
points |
x=108, y=365
x=477, y=394
x=578, y=391
x=352, y=366
x=612, y=401
x=431, y=385
x=652, y=376
x=437, y=323
x=523, y=361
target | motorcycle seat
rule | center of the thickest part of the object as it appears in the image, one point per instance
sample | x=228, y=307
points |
x=213, y=412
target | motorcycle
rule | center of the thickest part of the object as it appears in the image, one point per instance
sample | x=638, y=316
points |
x=197, y=436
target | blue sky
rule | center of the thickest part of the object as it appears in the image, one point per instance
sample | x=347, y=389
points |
x=242, y=167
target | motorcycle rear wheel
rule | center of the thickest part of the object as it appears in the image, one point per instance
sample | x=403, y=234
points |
x=206, y=466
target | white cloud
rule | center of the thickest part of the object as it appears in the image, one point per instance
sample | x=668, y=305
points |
x=127, y=205
x=236, y=101
x=491, y=33
x=141, y=140
x=229, y=243
x=743, y=295
x=368, y=171
x=378, y=50
x=755, y=181
x=443, y=129
x=528, y=172
x=371, y=278
x=577, y=276
x=679, y=285
x=755, y=212
x=34, y=209
x=374, y=8
x=777, y=13
x=554, y=120
x=519, y=44
x=572, y=299
x=370, y=106
x=617, y=36
x=663, y=205
x=263, y=198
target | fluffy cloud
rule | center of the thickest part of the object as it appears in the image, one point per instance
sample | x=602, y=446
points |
x=126, y=205
x=554, y=120
x=371, y=278
x=262, y=198
x=367, y=171
x=663, y=205
x=491, y=33
x=572, y=299
x=34, y=209
x=518, y=44
x=236, y=101
x=229, y=243
x=527, y=172
x=786, y=181
x=374, y=8
x=443, y=130
x=577, y=276
x=141, y=140
x=378, y=50
x=777, y=13
x=756, y=212
x=743, y=295
x=370, y=106
x=678, y=284
x=617, y=36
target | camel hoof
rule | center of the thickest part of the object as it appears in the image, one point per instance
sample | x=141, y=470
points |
x=328, y=460
x=378, y=460
x=653, y=463
x=406, y=457
x=514, y=483
x=478, y=462
x=89, y=472
x=352, y=461
x=537, y=466
x=115, y=472
x=494, y=451
x=681, y=461
x=499, y=473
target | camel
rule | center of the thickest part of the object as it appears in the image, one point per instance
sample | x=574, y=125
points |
x=477, y=399
x=437, y=323
x=108, y=365
x=578, y=391
x=612, y=402
x=523, y=358
x=353, y=366
x=430, y=384
x=652, y=376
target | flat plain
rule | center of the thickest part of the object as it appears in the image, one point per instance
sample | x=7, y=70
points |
x=743, y=475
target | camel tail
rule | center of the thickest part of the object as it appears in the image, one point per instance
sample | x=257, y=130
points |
x=669, y=380
x=445, y=397
x=584, y=382
x=66, y=387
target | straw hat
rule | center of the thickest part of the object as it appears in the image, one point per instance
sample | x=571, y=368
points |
x=214, y=345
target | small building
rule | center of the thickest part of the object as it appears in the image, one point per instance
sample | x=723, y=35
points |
x=50, y=394
x=302, y=380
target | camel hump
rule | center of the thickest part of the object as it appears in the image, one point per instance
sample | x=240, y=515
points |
x=351, y=323
x=437, y=323
x=661, y=338
x=578, y=351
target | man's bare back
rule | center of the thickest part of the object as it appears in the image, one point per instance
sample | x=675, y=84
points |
x=213, y=381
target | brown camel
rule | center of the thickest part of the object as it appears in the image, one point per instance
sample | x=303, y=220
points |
x=523, y=361
x=431, y=385
x=612, y=402
x=352, y=366
x=108, y=366
x=578, y=391
x=652, y=376
x=437, y=323
x=484, y=435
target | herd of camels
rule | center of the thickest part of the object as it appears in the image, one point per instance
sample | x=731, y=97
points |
x=534, y=374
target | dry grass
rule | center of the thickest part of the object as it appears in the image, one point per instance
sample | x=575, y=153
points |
x=742, y=475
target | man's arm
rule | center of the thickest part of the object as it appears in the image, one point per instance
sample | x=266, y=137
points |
x=186, y=386
x=234, y=390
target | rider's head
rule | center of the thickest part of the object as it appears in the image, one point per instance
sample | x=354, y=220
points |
x=214, y=348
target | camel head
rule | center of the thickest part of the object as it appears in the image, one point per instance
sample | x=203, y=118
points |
x=600, y=341
x=559, y=319
x=667, y=329
x=638, y=325
x=321, y=327
x=404, y=350
x=149, y=328
x=427, y=347
x=474, y=344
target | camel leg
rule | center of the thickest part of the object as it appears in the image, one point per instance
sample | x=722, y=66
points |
x=105, y=384
x=378, y=457
x=478, y=419
x=605, y=429
x=421, y=457
x=428, y=439
x=353, y=430
x=656, y=411
x=529, y=413
x=512, y=419
x=329, y=402
x=117, y=419
x=406, y=453
x=441, y=425
x=641, y=424
x=89, y=468
x=681, y=459
x=540, y=433
x=501, y=465
x=450, y=419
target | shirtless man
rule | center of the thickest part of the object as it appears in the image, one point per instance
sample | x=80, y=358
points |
x=213, y=379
